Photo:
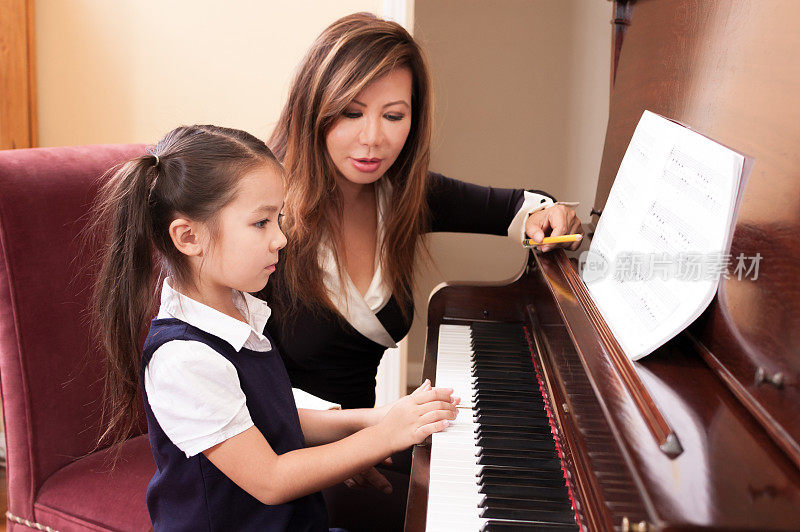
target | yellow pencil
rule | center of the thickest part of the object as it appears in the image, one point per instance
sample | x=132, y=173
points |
x=529, y=242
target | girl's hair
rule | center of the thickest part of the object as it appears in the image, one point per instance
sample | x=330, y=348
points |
x=351, y=53
x=192, y=172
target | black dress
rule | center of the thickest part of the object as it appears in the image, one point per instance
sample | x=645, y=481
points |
x=191, y=493
x=325, y=355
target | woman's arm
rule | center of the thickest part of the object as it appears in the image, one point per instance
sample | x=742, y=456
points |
x=249, y=461
x=462, y=207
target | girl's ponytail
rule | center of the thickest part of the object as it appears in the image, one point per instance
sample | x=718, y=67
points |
x=192, y=173
x=124, y=290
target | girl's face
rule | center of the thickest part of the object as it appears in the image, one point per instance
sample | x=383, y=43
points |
x=244, y=251
x=365, y=141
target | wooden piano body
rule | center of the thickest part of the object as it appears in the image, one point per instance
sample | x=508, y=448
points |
x=728, y=388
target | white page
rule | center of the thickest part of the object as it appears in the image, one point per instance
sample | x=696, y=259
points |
x=662, y=242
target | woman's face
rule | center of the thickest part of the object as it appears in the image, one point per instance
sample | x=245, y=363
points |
x=365, y=141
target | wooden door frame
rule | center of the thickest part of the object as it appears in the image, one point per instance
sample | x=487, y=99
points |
x=18, y=119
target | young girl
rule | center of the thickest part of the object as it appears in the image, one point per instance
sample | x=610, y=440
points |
x=228, y=441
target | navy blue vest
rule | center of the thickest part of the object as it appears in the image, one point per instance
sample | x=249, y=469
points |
x=191, y=493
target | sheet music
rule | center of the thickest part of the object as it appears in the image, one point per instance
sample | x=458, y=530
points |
x=661, y=245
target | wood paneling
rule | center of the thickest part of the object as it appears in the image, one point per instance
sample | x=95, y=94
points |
x=18, y=123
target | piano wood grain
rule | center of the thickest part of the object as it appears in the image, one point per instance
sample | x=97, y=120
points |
x=732, y=474
x=730, y=70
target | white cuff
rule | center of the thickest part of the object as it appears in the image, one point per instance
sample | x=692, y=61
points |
x=533, y=202
x=303, y=399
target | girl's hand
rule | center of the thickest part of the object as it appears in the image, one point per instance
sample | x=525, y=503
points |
x=415, y=417
x=379, y=412
x=554, y=221
x=427, y=386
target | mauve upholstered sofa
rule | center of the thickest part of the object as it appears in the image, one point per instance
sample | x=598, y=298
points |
x=50, y=367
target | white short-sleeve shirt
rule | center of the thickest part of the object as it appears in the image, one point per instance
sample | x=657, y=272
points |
x=193, y=391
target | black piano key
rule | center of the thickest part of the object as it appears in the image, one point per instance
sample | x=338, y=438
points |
x=508, y=384
x=511, y=344
x=518, y=406
x=549, y=454
x=495, y=385
x=519, y=462
x=543, y=490
x=505, y=378
x=516, y=444
x=501, y=394
x=490, y=357
x=491, y=414
x=511, y=431
x=489, y=390
x=498, y=340
x=531, y=407
x=487, y=357
x=497, y=525
x=552, y=499
x=502, y=424
x=507, y=477
x=479, y=359
x=526, y=499
x=499, y=420
x=509, y=351
x=524, y=396
x=539, y=474
x=504, y=353
x=501, y=375
x=538, y=454
x=505, y=365
x=528, y=515
x=527, y=495
x=502, y=413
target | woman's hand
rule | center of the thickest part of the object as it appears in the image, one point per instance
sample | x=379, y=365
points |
x=415, y=417
x=554, y=221
x=370, y=478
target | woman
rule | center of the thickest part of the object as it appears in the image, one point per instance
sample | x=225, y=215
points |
x=354, y=138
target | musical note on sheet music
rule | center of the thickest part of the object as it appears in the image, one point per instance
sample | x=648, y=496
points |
x=696, y=181
x=672, y=207
x=668, y=232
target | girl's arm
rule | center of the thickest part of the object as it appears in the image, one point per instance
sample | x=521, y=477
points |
x=250, y=462
x=325, y=426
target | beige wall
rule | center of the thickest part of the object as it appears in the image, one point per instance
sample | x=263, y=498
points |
x=521, y=88
x=130, y=70
x=522, y=101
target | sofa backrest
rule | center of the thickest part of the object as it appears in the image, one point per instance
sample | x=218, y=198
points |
x=51, y=368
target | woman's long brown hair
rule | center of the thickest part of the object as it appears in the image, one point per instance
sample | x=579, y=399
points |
x=193, y=173
x=351, y=53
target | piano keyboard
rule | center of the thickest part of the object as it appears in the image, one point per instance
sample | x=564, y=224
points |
x=496, y=467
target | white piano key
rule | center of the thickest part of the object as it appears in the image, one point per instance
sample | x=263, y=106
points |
x=453, y=490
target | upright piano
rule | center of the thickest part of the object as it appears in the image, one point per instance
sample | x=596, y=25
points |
x=563, y=432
